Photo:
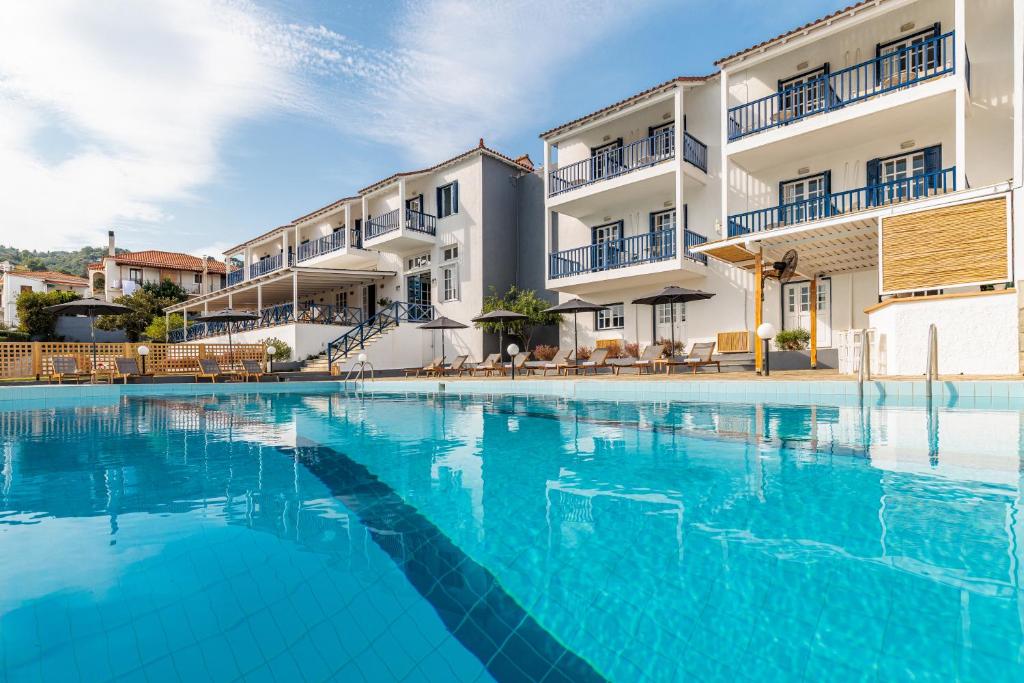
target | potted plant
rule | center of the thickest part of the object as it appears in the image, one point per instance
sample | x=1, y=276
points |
x=792, y=340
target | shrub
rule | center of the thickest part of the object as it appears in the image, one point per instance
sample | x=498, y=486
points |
x=583, y=353
x=282, y=351
x=632, y=349
x=614, y=347
x=792, y=340
x=33, y=319
x=673, y=348
x=158, y=328
x=544, y=352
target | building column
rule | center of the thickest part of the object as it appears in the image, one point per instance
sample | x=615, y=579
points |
x=167, y=327
x=814, y=321
x=347, y=230
x=284, y=249
x=758, y=310
x=295, y=294
x=184, y=319
x=401, y=203
x=960, y=55
x=724, y=141
x=549, y=168
x=678, y=198
x=231, y=301
x=259, y=298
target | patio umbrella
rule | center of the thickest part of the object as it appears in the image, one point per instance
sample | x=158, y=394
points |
x=673, y=295
x=91, y=307
x=500, y=316
x=576, y=306
x=443, y=324
x=228, y=316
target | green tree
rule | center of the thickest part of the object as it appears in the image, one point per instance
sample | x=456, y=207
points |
x=159, y=327
x=33, y=320
x=35, y=263
x=523, y=301
x=147, y=303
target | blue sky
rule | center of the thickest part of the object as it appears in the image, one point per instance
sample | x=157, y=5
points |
x=191, y=125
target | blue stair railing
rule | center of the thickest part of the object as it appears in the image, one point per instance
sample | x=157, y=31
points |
x=384, y=320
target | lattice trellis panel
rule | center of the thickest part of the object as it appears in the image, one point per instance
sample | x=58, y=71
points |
x=16, y=359
x=30, y=359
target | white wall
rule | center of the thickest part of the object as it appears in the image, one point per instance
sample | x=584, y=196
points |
x=977, y=335
x=304, y=339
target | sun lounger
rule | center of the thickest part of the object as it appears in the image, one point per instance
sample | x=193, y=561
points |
x=66, y=367
x=519, y=362
x=561, y=358
x=490, y=364
x=254, y=369
x=210, y=369
x=699, y=356
x=432, y=367
x=598, y=359
x=125, y=368
x=646, y=360
x=456, y=367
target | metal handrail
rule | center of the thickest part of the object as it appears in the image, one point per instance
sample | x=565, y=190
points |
x=383, y=321
x=272, y=316
x=322, y=245
x=931, y=372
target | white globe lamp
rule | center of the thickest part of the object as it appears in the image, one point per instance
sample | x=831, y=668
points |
x=143, y=351
x=765, y=331
x=512, y=349
x=271, y=350
x=361, y=357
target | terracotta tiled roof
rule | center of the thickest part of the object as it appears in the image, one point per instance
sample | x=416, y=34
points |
x=630, y=100
x=170, y=260
x=324, y=210
x=52, y=276
x=481, y=148
x=799, y=29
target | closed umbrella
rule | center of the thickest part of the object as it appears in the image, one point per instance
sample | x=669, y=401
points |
x=500, y=316
x=228, y=316
x=91, y=307
x=673, y=295
x=576, y=306
x=443, y=324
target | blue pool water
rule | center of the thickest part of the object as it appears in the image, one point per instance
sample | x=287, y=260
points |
x=323, y=536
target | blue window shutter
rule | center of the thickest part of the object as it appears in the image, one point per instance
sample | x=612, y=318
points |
x=874, y=177
x=437, y=201
x=932, y=166
x=650, y=218
x=455, y=197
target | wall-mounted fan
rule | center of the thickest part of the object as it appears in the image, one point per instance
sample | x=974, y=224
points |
x=782, y=271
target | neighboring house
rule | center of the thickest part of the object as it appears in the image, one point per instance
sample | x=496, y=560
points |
x=15, y=281
x=878, y=143
x=122, y=273
x=404, y=250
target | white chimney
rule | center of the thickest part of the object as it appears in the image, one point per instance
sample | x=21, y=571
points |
x=204, y=286
x=110, y=243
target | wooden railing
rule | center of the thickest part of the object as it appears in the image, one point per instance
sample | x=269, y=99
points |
x=35, y=359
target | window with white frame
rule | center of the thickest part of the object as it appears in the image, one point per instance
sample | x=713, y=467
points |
x=665, y=313
x=451, y=253
x=341, y=300
x=447, y=200
x=450, y=273
x=418, y=262
x=611, y=318
x=198, y=278
x=135, y=275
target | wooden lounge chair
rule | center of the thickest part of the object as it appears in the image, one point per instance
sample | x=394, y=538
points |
x=254, y=369
x=491, y=364
x=210, y=369
x=456, y=367
x=646, y=360
x=66, y=367
x=519, y=363
x=125, y=368
x=433, y=367
x=699, y=356
x=562, y=357
x=598, y=359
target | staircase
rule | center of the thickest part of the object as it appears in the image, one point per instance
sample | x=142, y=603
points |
x=317, y=364
x=364, y=335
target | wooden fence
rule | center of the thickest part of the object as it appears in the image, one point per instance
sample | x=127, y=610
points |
x=34, y=359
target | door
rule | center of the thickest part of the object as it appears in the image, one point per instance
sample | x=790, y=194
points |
x=370, y=300
x=803, y=199
x=895, y=175
x=664, y=324
x=605, y=241
x=418, y=295
x=796, y=309
x=662, y=239
x=415, y=209
x=906, y=60
x=606, y=159
x=802, y=95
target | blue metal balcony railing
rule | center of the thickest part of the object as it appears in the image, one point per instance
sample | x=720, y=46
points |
x=634, y=156
x=389, y=222
x=235, y=276
x=267, y=265
x=648, y=247
x=378, y=324
x=902, y=68
x=272, y=316
x=841, y=203
x=323, y=245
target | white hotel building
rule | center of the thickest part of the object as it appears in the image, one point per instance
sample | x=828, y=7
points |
x=881, y=143
x=363, y=273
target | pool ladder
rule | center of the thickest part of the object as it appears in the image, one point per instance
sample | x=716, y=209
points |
x=931, y=373
x=357, y=373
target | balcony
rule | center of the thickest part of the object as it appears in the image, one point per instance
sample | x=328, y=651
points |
x=844, y=203
x=323, y=245
x=273, y=316
x=632, y=157
x=903, y=68
x=400, y=230
x=234, y=277
x=335, y=250
x=267, y=265
x=649, y=247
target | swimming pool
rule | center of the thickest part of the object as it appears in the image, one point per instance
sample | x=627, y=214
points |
x=320, y=535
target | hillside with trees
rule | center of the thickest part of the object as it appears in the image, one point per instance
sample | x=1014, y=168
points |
x=70, y=262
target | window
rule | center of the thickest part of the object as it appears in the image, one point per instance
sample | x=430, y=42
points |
x=451, y=253
x=606, y=160
x=198, y=278
x=665, y=313
x=341, y=300
x=662, y=140
x=906, y=176
x=803, y=199
x=908, y=58
x=450, y=282
x=135, y=275
x=418, y=262
x=448, y=199
x=611, y=318
x=607, y=240
x=803, y=94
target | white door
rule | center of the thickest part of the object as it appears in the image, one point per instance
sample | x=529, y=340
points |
x=798, y=199
x=899, y=169
x=796, y=309
x=663, y=325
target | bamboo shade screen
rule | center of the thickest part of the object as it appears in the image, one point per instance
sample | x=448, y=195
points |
x=735, y=342
x=956, y=245
x=34, y=359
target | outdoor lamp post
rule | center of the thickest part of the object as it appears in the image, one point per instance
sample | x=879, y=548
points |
x=513, y=349
x=361, y=358
x=271, y=350
x=143, y=351
x=765, y=331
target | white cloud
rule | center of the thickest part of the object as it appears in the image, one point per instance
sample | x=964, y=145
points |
x=113, y=112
